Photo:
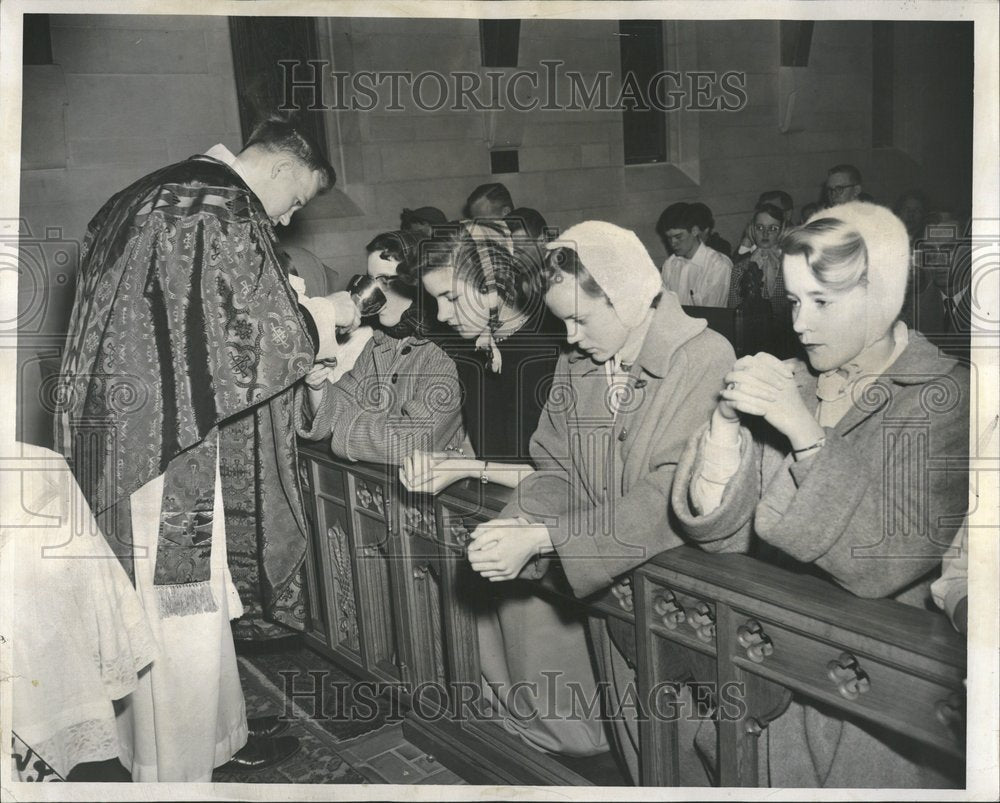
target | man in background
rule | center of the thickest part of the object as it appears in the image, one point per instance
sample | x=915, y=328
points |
x=705, y=221
x=489, y=202
x=422, y=220
x=843, y=184
x=698, y=274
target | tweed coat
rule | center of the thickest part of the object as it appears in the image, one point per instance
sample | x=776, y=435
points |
x=401, y=394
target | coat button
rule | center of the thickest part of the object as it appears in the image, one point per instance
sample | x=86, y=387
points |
x=406, y=350
x=623, y=434
x=393, y=378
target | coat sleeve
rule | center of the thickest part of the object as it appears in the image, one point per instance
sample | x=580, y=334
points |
x=877, y=516
x=313, y=425
x=728, y=527
x=341, y=399
x=435, y=410
x=429, y=418
x=542, y=497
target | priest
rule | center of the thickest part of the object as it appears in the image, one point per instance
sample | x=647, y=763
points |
x=186, y=338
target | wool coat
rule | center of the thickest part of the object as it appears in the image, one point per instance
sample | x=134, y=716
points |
x=874, y=509
x=603, y=481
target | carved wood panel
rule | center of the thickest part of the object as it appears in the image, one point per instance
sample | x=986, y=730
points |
x=342, y=605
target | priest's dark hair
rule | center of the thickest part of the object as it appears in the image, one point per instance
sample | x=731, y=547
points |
x=279, y=133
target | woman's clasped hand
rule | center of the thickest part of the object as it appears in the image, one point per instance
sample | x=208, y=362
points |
x=499, y=549
x=762, y=385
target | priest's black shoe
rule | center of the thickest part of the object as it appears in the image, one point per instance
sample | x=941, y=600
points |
x=266, y=726
x=261, y=753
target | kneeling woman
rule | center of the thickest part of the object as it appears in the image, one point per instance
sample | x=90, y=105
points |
x=642, y=376
x=533, y=653
x=826, y=463
x=402, y=393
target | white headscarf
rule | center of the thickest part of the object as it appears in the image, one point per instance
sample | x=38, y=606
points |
x=888, y=246
x=619, y=263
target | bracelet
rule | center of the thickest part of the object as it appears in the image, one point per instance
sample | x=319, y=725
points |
x=819, y=444
x=483, y=478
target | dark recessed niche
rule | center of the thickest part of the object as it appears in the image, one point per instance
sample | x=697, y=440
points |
x=503, y=162
x=644, y=127
x=796, y=40
x=498, y=40
x=37, y=43
x=259, y=46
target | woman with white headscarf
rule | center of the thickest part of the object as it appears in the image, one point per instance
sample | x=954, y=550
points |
x=641, y=377
x=487, y=285
x=827, y=463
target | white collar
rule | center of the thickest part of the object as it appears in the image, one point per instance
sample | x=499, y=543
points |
x=698, y=257
x=226, y=156
x=836, y=383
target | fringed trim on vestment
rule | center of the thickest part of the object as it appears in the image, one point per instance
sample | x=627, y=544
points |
x=185, y=599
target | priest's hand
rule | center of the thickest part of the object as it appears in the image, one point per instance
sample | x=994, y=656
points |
x=348, y=316
x=316, y=381
x=322, y=372
x=499, y=549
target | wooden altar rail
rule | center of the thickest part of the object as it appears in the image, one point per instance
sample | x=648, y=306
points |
x=392, y=599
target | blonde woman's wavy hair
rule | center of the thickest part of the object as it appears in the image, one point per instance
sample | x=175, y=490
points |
x=857, y=243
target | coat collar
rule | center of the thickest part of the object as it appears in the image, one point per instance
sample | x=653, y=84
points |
x=920, y=363
x=669, y=329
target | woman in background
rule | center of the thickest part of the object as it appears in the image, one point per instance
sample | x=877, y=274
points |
x=402, y=393
x=757, y=288
x=763, y=264
x=812, y=460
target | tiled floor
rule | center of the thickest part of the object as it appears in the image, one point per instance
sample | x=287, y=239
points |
x=380, y=756
x=384, y=756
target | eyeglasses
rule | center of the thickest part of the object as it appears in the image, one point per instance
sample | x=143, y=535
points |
x=839, y=189
x=760, y=228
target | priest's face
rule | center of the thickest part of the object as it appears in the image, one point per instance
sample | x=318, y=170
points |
x=290, y=185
